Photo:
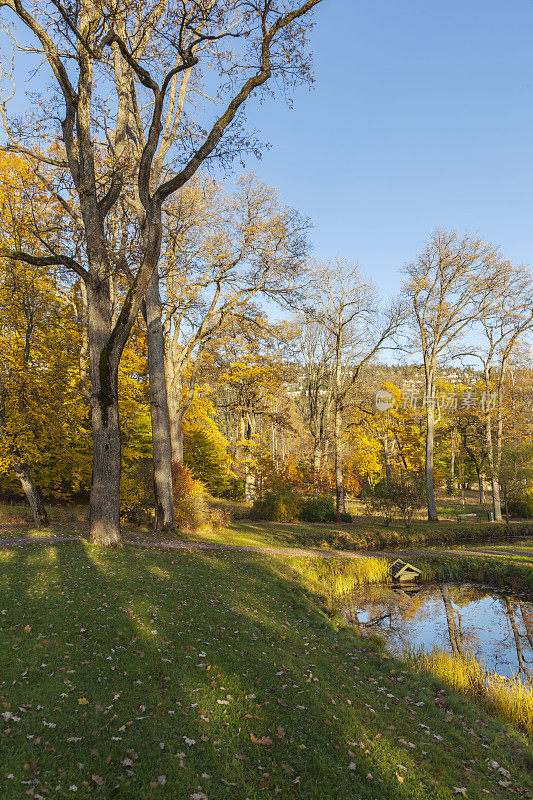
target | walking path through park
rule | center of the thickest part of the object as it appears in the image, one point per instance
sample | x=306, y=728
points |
x=7, y=543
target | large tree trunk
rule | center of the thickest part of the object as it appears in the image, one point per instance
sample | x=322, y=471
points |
x=498, y=459
x=176, y=406
x=105, y=486
x=340, y=495
x=176, y=429
x=161, y=448
x=430, y=440
x=175, y=418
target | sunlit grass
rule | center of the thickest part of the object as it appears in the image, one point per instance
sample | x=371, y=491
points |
x=140, y=650
x=508, y=697
x=362, y=534
x=513, y=699
x=333, y=578
x=501, y=571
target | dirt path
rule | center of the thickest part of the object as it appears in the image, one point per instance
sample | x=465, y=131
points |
x=296, y=552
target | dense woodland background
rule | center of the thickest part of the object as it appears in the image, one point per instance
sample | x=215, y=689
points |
x=262, y=410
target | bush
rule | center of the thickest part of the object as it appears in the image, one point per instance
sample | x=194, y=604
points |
x=404, y=496
x=318, y=509
x=190, y=507
x=205, y=453
x=219, y=519
x=343, y=517
x=234, y=489
x=284, y=507
x=520, y=503
x=378, y=500
x=277, y=507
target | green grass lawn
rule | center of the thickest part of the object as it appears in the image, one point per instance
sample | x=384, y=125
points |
x=518, y=546
x=362, y=533
x=366, y=534
x=149, y=674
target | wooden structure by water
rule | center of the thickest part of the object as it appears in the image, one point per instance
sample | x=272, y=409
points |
x=403, y=571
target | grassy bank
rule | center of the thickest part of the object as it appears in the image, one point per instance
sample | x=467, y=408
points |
x=502, y=570
x=510, y=699
x=147, y=674
x=362, y=534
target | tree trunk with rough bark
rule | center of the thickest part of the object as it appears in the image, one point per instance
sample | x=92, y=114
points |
x=104, y=519
x=161, y=447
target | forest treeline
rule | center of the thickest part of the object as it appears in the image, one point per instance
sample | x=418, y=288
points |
x=347, y=395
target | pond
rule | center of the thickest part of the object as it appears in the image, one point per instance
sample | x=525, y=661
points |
x=496, y=627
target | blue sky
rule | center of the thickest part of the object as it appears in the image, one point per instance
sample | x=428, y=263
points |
x=421, y=116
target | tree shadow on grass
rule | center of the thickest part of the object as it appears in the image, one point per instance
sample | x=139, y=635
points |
x=168, y=673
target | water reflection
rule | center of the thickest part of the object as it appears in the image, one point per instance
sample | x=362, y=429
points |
x=497, y=628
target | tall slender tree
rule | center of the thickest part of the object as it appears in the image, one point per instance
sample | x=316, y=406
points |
x=504, y=328
x=346, y=308
x=452, y=283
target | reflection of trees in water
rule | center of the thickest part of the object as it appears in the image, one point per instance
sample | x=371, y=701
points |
x=527, y=617
x=402, y=619
x=391, y=611
x=453, y=633
x=522, y=663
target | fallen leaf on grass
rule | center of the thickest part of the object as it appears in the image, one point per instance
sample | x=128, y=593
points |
x=504, y=772
x=261, y=739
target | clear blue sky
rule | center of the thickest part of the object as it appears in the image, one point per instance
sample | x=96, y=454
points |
x=421, y=116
